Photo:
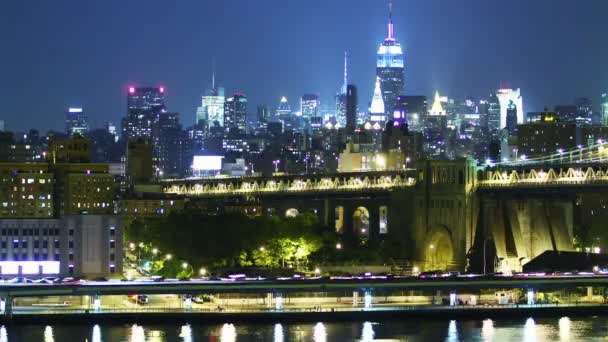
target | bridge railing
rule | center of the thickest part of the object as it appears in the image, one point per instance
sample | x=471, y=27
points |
x=543, y=177
x=299, y=185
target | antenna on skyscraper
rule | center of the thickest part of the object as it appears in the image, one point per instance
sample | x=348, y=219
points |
x=391, y=35
x=345, y=68
x=213, y=73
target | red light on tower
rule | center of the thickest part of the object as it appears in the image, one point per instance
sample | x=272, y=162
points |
x=131, y=90
x=161, y=89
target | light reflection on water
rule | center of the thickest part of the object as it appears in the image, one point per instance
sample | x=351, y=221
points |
x=487, y=330
x=186, y=333
x=367, y=334
x=279, y=336
x=526, y=329
x=96, y=337
x=530, y=330
x=452, y=332
x=228, y=333
x=48, y=334
x=564, y=328
x=320, y=334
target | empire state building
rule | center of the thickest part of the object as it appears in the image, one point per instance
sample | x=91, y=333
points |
x=390, y=68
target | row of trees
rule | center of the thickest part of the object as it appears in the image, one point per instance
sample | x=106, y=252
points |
x=234, y=241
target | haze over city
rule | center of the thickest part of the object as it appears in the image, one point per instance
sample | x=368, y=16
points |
x=71, y=53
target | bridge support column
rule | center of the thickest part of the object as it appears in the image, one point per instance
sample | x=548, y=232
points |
x=97, y=303
x=531, y=297
x=278, y=301
x=187, y=303
x=367, y=300
x=453, y=298
x=590, y=292
x=437, y=300
x=269, y=299
x=355, y=298
x=6, y=306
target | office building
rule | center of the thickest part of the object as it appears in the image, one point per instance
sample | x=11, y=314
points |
x=416, y=108
x=76, y=121
x=309, y=106
x=493, y=114
x=352, y=102
x=143, y=107
x=390, y=68
x=545, y=137
x=70, y=246
x=505, y=98
x=235, y=112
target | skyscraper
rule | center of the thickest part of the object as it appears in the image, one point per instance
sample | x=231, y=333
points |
x=390, y=67
x=416, y=109
x=351, y=107
x=235, y=112
x=309, y=105
x=262, y=116
x=604, y=110
x=493, y=118
x=211, y=110
x=511, y=118
x=377, y=109
x=505, y=97
x=143, y=107
x=341, y=97
x=76, y=121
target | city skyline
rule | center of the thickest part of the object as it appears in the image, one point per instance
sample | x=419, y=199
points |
x=450, y=57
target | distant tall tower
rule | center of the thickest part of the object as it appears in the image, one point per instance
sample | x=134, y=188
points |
x=493, y=118
x=390, y=66
x=604, y=105
x=211, y=111
x=341, y=97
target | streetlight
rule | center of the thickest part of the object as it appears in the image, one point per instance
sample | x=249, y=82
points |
x=131, y=245
x=407, y=160
x=317, y=271
x=202, y=272
x=338, y=246
x=168, y=256
x=276, y=165
x=262, y=249
x=155, y=251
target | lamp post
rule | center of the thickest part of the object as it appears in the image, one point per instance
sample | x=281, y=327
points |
x=185, y=267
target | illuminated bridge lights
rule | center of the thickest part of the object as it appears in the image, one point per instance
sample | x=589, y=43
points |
x=246, y=186
x=544, y=177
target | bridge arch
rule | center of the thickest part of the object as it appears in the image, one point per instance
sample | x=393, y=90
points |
x=438, y=249
x=361, y=223
x=291, y=212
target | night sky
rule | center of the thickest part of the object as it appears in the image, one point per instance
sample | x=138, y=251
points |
x=61, y=53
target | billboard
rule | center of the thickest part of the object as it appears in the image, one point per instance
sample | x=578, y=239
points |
x=207, y=163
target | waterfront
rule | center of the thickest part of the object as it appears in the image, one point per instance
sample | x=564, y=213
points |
x=520, y=329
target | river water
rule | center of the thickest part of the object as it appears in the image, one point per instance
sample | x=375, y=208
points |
x=525, y=329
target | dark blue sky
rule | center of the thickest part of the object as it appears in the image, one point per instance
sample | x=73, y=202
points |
x=73, y=52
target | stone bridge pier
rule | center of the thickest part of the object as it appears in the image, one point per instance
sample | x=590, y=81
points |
x=513, y=230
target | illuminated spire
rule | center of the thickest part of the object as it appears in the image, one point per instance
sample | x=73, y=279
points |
x=391, y=30
x=345, y=85
x=377, y=106
x=213, y=74
x=437, y=108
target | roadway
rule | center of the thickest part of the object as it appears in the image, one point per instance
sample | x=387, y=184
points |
x=87, y=288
